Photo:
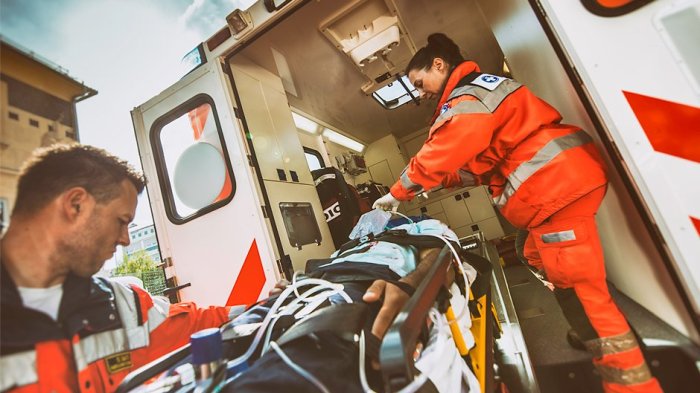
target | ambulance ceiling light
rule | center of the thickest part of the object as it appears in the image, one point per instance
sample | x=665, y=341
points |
x=305, y=124
x=343, y=140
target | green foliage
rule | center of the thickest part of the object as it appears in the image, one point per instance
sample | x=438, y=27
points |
x=135, y=264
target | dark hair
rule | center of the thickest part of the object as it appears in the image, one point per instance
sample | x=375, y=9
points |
x=50, y=171
x=439, y=45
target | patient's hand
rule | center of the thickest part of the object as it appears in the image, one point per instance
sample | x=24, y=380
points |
x=394, y=299
x=280, y=286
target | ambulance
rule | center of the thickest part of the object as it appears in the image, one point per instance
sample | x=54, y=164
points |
x=288, y=89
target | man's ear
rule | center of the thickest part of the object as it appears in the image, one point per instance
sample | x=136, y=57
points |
x=74, y=201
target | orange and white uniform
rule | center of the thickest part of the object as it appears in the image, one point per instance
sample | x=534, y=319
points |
x=104, y=331
x=545, y=176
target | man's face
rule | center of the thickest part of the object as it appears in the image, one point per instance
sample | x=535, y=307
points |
x=102, y=229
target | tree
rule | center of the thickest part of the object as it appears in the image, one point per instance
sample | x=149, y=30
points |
x=135, y=263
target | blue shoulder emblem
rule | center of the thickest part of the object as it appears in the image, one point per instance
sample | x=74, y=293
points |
x=444, y=108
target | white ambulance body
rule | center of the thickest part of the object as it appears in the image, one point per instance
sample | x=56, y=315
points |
x=233, y=199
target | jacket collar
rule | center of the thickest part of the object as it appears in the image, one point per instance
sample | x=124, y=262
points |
x=85, y=309
x=457, y=74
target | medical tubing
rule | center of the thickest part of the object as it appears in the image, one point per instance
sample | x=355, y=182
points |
x=275, y=306
x=363, y=377
x=465, y=307
x=307, y=375
x=421, y=378
x=326, y=291
x=410, y=221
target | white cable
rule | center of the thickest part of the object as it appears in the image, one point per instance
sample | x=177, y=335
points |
x=410, y=221
x=326, y=291
x=363, y=377
x=465, y=307
x=307, y=375
x=282, y=297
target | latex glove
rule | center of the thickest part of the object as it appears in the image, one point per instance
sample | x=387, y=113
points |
x=387, y=202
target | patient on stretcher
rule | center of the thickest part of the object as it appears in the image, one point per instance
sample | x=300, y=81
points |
x=322, y=331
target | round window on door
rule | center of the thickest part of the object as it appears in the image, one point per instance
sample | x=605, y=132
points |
x=193, y=166
x=612, y=8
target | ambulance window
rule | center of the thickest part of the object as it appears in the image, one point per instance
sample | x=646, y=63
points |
x=313, y=158
x=192, y=162
x=613, y=8
x=396, y=93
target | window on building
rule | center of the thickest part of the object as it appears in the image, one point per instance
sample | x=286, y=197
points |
x=13, y=115
x=313, y=158
x=50, y=127
x=70, y=134
x=34, y=123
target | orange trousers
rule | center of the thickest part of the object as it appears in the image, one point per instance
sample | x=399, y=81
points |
x=568, y=248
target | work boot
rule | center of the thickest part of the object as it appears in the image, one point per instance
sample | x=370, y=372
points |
x=574, y=340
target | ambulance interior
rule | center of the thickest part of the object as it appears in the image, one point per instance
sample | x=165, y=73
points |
x=305, y=86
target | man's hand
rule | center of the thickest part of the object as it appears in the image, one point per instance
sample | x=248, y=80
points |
x=280, y=286
x=394, y=299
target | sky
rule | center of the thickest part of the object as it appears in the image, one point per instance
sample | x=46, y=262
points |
x=127, y=50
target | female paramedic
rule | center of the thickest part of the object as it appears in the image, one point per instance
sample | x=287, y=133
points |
x=545, y=177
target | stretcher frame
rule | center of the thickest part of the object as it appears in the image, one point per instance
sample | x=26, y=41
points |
x=396, y=351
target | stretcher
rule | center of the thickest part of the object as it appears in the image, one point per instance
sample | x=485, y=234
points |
x=455, y=356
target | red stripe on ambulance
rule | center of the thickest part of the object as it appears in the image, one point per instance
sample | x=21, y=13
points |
x=672, y=128
x=250, y=280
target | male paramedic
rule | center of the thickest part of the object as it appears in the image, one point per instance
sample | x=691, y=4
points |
x=545, y=177
x=61, y=329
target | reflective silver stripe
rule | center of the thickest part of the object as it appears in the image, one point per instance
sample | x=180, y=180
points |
x=158, y=313
x=490, y=99
x=613, y=344
x=129, y=337
x=556, y=237
x=128, y=312
x=324, y=177
x=462, y=108
x=546, y=154
x=630, y=376
x=408, y=184
x=18, y=369
x=98, y=346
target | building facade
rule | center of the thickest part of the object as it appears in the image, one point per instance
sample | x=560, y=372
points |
x=143, y=239
x=37, y=105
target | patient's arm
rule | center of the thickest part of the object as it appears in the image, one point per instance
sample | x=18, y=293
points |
x=394, y=297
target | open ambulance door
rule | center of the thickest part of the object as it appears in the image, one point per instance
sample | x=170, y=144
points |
x=214, y=233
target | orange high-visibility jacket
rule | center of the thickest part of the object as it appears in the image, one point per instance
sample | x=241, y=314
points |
x=491, y=130
x=104, y=330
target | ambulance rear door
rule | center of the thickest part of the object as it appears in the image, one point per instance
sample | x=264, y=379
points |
x=206, y=202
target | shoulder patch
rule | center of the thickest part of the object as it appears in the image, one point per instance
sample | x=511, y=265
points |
x=444, y=108
x=488, y=81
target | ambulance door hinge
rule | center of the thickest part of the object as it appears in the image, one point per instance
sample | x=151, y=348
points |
x=267, y=212
x=540, y=8
x=577, y=76
x=285, y=266
x=250, y=160
x=237, y=113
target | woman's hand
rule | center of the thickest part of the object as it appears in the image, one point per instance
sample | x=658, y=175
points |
x=387, y=202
